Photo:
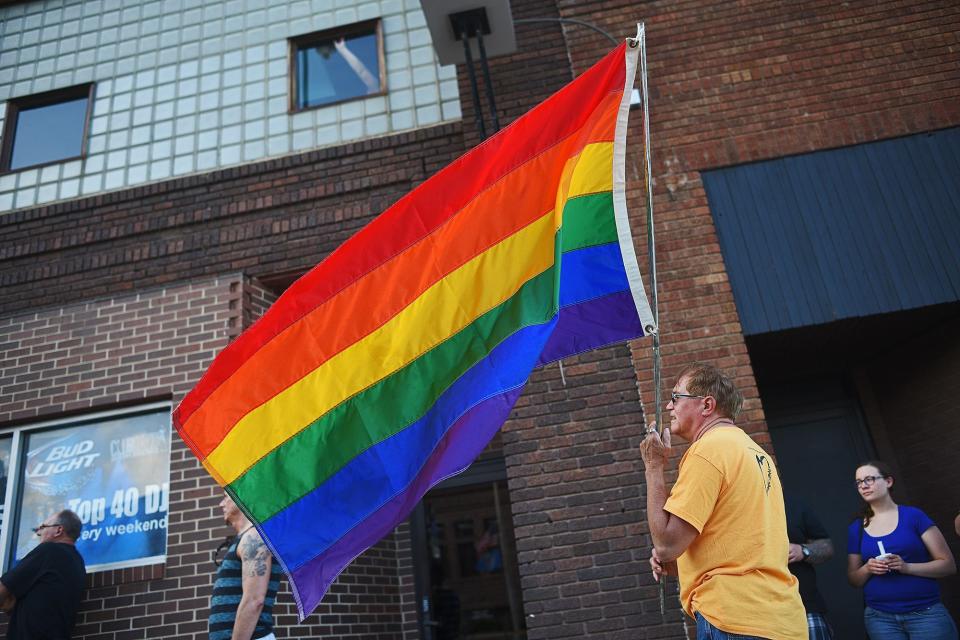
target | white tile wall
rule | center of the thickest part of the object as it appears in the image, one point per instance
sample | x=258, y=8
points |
x=194, y=85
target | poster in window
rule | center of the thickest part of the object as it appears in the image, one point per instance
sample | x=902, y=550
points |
x=114, y=474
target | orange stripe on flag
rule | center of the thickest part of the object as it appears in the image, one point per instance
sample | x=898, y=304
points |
x=496, y=213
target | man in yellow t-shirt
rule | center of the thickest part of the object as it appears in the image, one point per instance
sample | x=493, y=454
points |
x=723, y=529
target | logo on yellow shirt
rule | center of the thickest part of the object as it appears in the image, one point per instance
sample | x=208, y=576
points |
x=766, y=469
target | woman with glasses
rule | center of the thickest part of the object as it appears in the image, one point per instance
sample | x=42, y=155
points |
x=896, y=553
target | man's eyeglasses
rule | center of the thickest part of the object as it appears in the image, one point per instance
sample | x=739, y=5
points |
x=868, y=481
x=37, y=530
x=674, y=396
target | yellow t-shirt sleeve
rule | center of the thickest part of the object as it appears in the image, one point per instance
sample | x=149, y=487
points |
x=695, y=493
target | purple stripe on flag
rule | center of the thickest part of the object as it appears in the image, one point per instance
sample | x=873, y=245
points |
x=462, y=443
x=580, y=327
x=592, y=324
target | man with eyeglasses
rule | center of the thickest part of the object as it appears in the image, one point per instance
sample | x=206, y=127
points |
x=722, y=529
x=43, y=591
x=241, y=606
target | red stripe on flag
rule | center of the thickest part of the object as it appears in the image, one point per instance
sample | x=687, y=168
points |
x=413, y=217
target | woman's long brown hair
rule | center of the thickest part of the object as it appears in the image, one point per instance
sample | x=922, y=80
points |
x=865, y=514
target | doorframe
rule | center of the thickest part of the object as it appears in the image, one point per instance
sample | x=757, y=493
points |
x=483, y=471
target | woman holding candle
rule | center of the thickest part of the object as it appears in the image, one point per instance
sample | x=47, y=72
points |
x=896, y=553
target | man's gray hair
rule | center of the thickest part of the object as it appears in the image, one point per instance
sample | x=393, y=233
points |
x=72, y=526
x=707, y=380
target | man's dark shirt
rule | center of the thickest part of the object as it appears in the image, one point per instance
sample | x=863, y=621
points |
x=803, y=526
x=48, y=584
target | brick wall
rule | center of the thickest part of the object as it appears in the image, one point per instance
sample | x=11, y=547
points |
x=152, y=345
x=576, y=487
x=734, y=83
x=113, y=351
x=272, y=217
x=257, y=298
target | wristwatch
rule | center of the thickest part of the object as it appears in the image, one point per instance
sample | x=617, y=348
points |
x=805, y=551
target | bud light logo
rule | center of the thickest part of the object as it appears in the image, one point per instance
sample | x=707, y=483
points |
x=62, y=468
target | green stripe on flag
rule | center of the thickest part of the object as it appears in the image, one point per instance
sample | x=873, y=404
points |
x=402, y=398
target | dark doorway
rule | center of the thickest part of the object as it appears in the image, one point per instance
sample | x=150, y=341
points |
x=819, y=437
x=830, y=393
x=464, y=549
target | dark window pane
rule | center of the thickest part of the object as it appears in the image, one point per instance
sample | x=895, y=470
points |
x=48, y=133
x=467, y=558
x=337, y=69
x=463, y=528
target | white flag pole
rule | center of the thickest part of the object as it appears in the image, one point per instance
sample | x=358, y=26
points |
x=641, y=41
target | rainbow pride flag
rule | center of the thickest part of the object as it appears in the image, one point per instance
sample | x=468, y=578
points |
x=390, y=365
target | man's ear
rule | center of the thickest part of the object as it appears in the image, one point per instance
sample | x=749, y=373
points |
x=709, y=405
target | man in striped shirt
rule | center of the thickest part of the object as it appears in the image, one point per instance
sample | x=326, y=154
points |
x=241, y=607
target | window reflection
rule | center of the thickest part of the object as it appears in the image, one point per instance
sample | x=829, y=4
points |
x=337, y=67
x=48, y=133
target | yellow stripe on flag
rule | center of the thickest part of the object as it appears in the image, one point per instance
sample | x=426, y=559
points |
x=590, y=171
x=447, y=307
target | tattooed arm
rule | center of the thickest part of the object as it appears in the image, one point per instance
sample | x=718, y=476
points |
x=255, y=571
x=815, y=536
x=821, y=550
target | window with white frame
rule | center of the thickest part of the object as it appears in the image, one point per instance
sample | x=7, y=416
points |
x=112, y=469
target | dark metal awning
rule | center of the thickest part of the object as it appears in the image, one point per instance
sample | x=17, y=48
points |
x=845, y=233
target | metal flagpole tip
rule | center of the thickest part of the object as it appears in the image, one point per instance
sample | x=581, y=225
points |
x=635, y=41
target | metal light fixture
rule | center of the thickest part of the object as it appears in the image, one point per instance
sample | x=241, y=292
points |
x=462, y=29
x=498, y=35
